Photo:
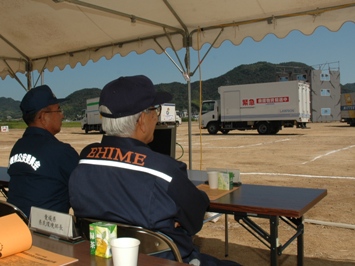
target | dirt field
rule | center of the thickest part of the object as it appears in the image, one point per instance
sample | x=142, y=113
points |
x=322, y=156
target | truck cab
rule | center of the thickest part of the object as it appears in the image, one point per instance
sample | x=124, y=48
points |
x=348, y=108
x=210, y=117
x=178, y=119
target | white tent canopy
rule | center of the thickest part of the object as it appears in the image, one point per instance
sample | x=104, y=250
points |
x=44, y=34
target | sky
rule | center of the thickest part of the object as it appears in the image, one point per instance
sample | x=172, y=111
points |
x=322, y=50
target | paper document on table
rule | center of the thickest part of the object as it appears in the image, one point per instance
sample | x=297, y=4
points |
x=37, y=256
x=16, y=245
x=214, y=194
x=15, y=236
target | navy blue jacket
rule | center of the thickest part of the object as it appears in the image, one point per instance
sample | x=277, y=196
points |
x=123, y=180
x=40, y=167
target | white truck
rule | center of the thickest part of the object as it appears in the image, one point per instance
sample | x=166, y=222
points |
x=264, y=107
x=168, y=115
x=348, y=108
x=178, y=119
x=91, y=118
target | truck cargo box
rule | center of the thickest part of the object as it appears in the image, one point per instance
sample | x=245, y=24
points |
x=92, y=119
x=266, y=101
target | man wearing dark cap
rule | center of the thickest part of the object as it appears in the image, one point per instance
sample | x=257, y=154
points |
x=39, y=164
x=122, y=180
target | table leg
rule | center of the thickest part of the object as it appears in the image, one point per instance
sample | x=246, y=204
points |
x=271, y=239
x=300, y=242
x=226, y=235
x=274, y=240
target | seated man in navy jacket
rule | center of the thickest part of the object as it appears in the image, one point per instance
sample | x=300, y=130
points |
x=40, y=164
x=121, y=179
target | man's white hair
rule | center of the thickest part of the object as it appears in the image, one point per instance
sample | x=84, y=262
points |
x=119, y=127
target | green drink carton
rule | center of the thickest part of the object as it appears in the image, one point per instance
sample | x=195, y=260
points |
x=100, y=235
x=225, y=180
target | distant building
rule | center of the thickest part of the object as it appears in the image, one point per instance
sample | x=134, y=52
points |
x=325, y=95
x=325, y=89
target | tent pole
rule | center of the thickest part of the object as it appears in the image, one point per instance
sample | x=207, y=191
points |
x=187, y=61
x=186, y=76
x=28, y=81
x=28, y=74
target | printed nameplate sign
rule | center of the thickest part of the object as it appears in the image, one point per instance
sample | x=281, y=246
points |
x=51, y=222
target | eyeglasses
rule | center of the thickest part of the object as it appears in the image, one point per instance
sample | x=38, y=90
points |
x=157, y=109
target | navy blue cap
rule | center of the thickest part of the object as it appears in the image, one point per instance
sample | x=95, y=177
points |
x=37, y=98
x=130, y=95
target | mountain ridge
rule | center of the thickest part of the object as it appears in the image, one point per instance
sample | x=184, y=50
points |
x=243, y=74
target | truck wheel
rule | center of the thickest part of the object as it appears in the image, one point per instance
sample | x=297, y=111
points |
x=224, y=131
x=264, y=128
x=177, y=123
x=212, y=128
x=86, y=130
x=274, y=130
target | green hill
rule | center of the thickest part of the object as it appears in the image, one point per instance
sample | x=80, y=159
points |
x=347, y=88
x=9, y=109
x=76, y=102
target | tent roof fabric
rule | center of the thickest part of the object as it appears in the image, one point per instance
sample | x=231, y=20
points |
x=44, y=34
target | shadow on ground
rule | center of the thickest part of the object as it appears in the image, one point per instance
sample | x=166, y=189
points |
x=255, y=256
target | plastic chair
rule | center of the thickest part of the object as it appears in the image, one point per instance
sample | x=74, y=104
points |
x=151, y=242
x=8, y=208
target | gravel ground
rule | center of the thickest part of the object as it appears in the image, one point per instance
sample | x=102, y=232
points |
x=321, y=156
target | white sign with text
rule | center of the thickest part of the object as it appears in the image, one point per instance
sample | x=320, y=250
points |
x=51, y=222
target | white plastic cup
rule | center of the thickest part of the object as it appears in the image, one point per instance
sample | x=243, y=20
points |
x=213, y=179
x=125, y=251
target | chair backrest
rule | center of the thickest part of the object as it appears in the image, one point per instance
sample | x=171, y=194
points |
x=151, y=242
x=3, y=190
x=8, y=208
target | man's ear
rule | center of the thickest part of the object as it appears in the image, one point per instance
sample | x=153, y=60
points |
x=38, y=117
x=42, y=119
x=141, y=126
